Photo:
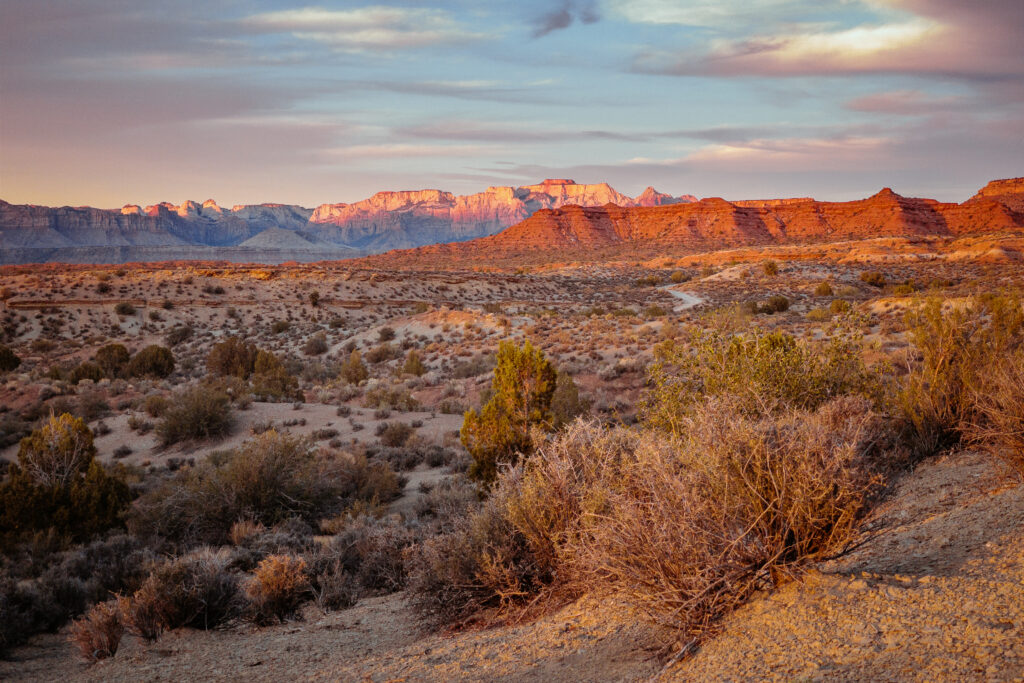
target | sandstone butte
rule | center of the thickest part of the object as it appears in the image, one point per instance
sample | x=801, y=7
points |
x=715, y=223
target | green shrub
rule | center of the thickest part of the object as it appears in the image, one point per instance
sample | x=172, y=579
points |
x=394, y=399
x=414, y=364
x=271, y=379
x=124, y=308
x=152, y=361
x=354, y=370
x=521, y=391
x=770, y=268
x=819, y=315
x=86, y=370
x=8, y=359
x=113, y=359
x=198, y=413
x=156, y=405
x=234, y=356
x=823, y=289
x=58, y=484
x=772, y=371
x=566, y=404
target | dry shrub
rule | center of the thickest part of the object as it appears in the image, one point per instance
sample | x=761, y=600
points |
x=272, y=478
x=689, y=532
x=277, y=589
x=686, y=529
x=196, y=590
x=949, y=395
x=999, y=405
x=198, y=413
x=98, y=634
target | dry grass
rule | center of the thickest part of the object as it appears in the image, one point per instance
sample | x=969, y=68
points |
x=97, y=635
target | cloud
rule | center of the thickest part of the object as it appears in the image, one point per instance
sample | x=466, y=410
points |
x=904, y=103
x=365, y=28
x=940, y=38
x=563, y=16
x=508, y=131
x=404, y=150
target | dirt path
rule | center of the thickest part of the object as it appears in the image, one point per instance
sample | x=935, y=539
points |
x=688, y=298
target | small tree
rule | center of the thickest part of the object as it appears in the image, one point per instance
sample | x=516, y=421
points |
x=152, y=361
x=413, y=364
x=233, y=356
x=354, y=370
x=566, y=404
x=113, y=359
x=58, y=484
x=523, y=384
x=314, y=299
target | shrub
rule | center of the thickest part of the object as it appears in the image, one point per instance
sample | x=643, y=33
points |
x=414, y=364
x=8, y=359
x=775, y=304
x=566, y=404
x=523, y=384
x=198, y=413
x=383, y=353
x=86, y=370
x=124, y=308
x=195, y=591
x=271, y=378
x=839, y=306
x=385, y=334
x=394, y=434
x=267, y=480
x=233, y=356
x=155, y=405
x=113, y=359
x=999, y=405
x=354, y=370
x=314, y=299
x=678, y=276
x=764, y=371
x=959, y=349
x=819, y=315
x=280, y=326
x=823, y=289
x=277, y=589
x=873, y=278
x=58, y=484
x=97, y=635
x=152, y=361
x=771, y=268
x=387, y=398
x=315, y=345
x=687, y=534
x=177, y=335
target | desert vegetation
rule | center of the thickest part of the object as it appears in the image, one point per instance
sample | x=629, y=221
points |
x=506, y=445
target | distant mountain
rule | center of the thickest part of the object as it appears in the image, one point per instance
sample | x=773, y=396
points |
x=387, y=220
x=552, y=235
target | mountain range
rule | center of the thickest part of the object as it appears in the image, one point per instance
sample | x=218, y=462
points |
x=278, y=232
x=577, y=232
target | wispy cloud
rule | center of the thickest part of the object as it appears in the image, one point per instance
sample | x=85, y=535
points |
x=366, y=28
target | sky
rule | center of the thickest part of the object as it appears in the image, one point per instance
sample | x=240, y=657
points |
x=112, y=102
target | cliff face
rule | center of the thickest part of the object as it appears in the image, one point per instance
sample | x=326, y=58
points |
x=716, y=223
x=391, y=220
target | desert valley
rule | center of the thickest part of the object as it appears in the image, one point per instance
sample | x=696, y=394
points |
x=313, y=414
x=545, y=341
